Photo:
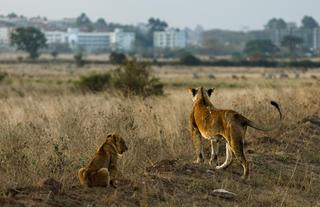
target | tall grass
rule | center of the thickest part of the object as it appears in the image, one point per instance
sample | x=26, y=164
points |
x=53, y=136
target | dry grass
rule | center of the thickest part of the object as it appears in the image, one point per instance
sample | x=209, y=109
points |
x=52, y=131
x=52, y=136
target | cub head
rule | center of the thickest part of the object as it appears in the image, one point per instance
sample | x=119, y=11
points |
x=118, y=142
x=198, y=93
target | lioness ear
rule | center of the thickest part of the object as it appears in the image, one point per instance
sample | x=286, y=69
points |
x=210, y=91
x=193, y=91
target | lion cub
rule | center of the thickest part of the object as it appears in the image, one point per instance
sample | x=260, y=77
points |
x=211, y=123
x=102, y=169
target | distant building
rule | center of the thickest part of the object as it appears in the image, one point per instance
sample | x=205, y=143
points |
x=194, y=37
x=316, y=39
x=55, y=37
x=307, y=35
x=4, y=36
x=92, y=41
x=122, y=40
x=143, y=27
x=171, y=38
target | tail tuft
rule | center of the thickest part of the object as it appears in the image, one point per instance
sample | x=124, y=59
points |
x=275, y=104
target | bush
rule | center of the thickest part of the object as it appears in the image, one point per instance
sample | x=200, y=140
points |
x=94, y=82
x=3, y=75
x=79, y=59
x=117, y=58
x=134, y=78
x=54, y=54
x=189, y=59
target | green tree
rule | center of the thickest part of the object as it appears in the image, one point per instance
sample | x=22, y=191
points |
x=292, y=43
x=210, y=45
x=154, y=26
x=261, y=48
x=100, y=25
x=84, y=23
x=157, y=25
x=28, y=39
x=12, y=15
x=309, y=22
x=276, y=24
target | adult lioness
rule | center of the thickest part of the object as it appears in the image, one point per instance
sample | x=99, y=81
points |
x=102, y=169
x=213, y=123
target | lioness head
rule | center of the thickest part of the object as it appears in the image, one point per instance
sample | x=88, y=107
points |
x=118, y=142
x=201, y=92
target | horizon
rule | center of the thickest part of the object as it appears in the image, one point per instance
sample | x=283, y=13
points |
x=210, y=14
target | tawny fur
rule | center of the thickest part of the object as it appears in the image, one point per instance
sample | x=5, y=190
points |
x=211, y=123
x=102, y=170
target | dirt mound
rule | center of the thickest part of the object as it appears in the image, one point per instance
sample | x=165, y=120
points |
x=49, y=193
x=163, y=166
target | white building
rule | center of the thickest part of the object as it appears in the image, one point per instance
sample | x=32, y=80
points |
x=122, y=40
x=316, y=39
x=55, y=37
x=4, y=36
x=171, y=38
x=93, y=41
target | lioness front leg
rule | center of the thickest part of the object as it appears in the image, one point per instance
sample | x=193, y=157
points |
x=196, y=138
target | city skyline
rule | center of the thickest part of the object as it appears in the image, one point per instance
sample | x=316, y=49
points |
x=211, y=14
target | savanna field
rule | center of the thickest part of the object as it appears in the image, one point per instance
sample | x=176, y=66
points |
x=49, y=129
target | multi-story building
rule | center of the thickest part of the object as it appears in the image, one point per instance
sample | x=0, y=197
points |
x=55, y=37
x=122, y=40
x=316, y=39
x=93, y=41
x=307, y=35
x=4, y=36
x=171, y=38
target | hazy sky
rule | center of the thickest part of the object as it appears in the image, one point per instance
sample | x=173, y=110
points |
x=223, y=14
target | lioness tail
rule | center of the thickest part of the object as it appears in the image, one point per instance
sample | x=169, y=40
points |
x=255, y=126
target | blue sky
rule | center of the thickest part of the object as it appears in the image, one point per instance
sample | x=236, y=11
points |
x=223, y=14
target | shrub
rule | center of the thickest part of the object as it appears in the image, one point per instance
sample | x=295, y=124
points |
x=135, y=78
x=54, y=54
x=20, y=58
x=3, y=75
x=79, y=59
x=94, y=82
x=117, y=58
x=189, y=59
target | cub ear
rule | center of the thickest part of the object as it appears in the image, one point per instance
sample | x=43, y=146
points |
x=193, y=91
x=210, y=91
x=114, y=138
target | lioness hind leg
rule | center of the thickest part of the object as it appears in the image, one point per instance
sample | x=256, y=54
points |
x=237, y=149
x=101, y=178
x=228, y=160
